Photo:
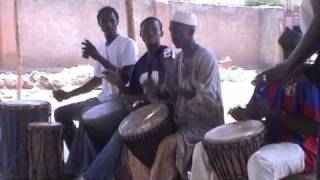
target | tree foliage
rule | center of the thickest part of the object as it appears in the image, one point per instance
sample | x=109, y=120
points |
x=263, y=2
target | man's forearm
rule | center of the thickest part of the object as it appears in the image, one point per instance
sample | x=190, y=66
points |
x=106, y=64
x=189, y=94
x=123, y=89
x=89, y=86
x=309, y=44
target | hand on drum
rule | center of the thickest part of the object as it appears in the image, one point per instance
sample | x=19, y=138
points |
x=60, y=95
x=152, y=91
x=188, y=93
x=254, y=110
x=113, y=77
x=89, y=50
x=238, y=113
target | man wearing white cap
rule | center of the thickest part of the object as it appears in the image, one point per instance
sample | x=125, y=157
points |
x=194, y=83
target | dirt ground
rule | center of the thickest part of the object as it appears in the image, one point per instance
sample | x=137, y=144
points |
x=38, y=85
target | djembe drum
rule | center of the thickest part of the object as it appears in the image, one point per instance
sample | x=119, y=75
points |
x=104, y=120
x=14, y=118
x=144, y=129
x=230, y=146
x=45, y=151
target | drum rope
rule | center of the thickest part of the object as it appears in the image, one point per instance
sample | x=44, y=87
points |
x=13, y=129
x=56, y=134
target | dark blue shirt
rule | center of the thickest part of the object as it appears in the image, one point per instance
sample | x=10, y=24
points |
x=146, y=66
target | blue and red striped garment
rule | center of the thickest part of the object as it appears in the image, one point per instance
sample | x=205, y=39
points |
x=297, y=98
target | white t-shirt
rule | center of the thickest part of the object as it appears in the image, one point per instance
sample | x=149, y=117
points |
x=121, y=52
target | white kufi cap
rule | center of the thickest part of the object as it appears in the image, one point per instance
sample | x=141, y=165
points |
x=185, y=17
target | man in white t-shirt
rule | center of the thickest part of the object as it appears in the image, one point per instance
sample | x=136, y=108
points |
x=118, y=51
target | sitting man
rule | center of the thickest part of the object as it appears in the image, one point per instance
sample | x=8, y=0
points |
x=117, y=52
x=292, y=113
x=194, y=82
x=147, y=76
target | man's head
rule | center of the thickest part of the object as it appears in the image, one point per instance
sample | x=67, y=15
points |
x=151, y=30
x=108, y=20
x=182, y=28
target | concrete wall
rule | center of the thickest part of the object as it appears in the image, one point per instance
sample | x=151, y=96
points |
x=248, y=35
x=231, y=31
x=52, y=30
x=8, y=47
x=271, y=22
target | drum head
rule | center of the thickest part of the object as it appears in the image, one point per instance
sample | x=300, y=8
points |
x=25, y=103
x=103, y=110
x=44, y=124
x=234, y=132
x=143, y=120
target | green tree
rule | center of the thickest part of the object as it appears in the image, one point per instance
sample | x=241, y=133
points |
x=263, y=2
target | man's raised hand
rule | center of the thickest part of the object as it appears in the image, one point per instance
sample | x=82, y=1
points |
x=89, y=50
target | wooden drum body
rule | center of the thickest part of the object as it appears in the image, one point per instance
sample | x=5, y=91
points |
x=144, y=129
x=45, y=151
x=14, y=118
x=230, y=146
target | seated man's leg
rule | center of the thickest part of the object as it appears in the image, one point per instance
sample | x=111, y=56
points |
x=101, y=129
x=132, y=169
x=164, y=166
x=108, y=160
x=82, y=153
x=201, y=167
x=138, y=170
x=276, y=161
x=66, y=115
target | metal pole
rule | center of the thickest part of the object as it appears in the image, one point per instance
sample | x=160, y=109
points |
x=19, y=58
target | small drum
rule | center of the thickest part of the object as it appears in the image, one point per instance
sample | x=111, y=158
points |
x=230, y=146
x=143, y=130
x=45, y=151
x=14, y=118
x=103, y=120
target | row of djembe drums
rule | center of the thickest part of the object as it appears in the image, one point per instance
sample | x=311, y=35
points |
x=229, y=146
x=31, y=147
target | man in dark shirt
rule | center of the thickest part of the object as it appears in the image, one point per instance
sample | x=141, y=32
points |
x=146, y=78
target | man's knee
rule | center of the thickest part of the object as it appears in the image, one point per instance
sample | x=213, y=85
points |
x=59, y=115
x=258, y=163
x=87, y=123
x=169, y=141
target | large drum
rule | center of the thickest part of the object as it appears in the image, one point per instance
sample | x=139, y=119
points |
x=103, y=120
x=143, y=130
x=45, y=151
x=14, y=118
x=230, y=146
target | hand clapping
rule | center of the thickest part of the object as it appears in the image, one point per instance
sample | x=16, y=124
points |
x=89, y=50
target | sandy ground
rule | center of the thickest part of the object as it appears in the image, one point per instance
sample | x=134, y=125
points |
x=236, y=86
